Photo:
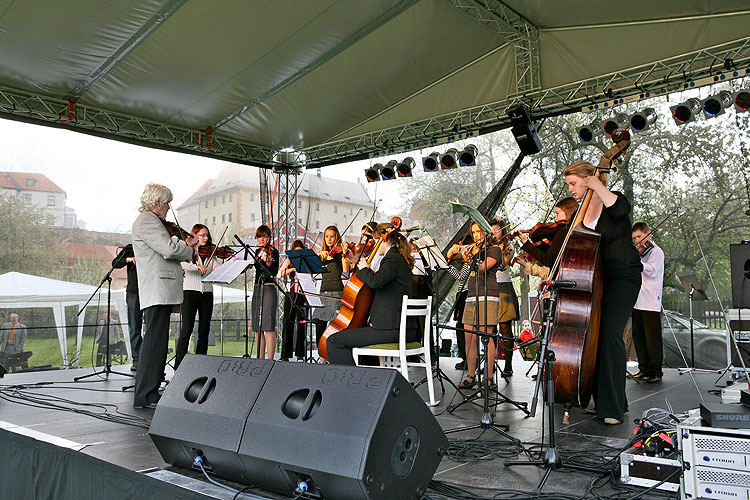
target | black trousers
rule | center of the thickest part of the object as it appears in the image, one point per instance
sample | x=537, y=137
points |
x=153, y=355
x=647, y=340
x=293, y=333
x=618, y=299
x=339, y=345
x=192, y=302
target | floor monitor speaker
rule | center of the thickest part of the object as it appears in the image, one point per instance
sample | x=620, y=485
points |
x=204, y=409
x=739, y=264
x=348, y=432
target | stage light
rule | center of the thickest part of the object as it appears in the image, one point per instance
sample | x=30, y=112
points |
x=619, y=121
x=587, y=133
x=686, y=112
x=741, y=100
x=714, y=105
x=388, y=172
x=642, y=120
x=404, y=168
x=468, y=157
x=372, y=174
x=448, y=159
x=430, y=163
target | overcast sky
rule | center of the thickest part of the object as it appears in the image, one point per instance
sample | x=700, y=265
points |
x=104, y=179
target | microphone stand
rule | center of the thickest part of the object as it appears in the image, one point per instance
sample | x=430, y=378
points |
x=108, y=360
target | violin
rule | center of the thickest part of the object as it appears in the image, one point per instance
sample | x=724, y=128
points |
x=644, y=247
x=174, y=230
x=209, y=251
x=542, y=232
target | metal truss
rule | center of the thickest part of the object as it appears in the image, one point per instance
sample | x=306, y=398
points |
x=701, y=67
x=289, y=182
x=514, y=29
x=88, y=119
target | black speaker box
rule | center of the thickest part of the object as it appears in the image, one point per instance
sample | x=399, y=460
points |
x=348, y=432
x=204, y=409
x=3, y=371
x=739, y=263
x=524, y=131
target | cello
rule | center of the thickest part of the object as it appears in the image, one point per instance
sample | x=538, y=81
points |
x=356, y=299
x=575, y=333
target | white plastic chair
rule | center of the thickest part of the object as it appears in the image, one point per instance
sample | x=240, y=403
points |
x=393, y=355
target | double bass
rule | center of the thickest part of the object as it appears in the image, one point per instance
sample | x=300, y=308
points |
x=574, y=336
x=356, y=299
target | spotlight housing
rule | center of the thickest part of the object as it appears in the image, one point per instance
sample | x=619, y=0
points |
x=741, y=100
x=587, y=133
x=372, y=174
x=431, y=163
x=642, y=120
x=448, y=159
x=388, y=172
x=686, y=112
x=468, y=157
x=619, y=121
x=405, y=167
x=716, y=104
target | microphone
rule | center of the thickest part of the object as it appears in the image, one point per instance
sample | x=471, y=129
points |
x=414, y=228
x=559, y=283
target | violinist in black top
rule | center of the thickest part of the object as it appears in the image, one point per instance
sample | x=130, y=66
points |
x=609, y=214
x=547, y=252
x=391, y=282
x=265, y=300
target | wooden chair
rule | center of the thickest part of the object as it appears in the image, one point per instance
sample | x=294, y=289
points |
x=394, y=355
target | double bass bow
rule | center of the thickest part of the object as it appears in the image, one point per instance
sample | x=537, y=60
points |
x=356, y=299
x=575, y=333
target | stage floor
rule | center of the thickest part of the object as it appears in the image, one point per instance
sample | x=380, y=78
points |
x=130, y=447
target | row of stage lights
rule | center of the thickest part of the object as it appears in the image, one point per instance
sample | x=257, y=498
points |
x=682, y=113
x=432, y=163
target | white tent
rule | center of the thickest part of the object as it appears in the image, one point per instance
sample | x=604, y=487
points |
x=19, y=290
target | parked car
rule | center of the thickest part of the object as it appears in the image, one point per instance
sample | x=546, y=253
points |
x=710, y=343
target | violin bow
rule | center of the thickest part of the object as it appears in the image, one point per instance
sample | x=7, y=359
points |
x=216, y=246
x=182, y=234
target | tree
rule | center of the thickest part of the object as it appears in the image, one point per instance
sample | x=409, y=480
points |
x=27, y=245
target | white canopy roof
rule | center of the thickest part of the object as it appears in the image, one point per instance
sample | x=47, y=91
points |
x=340, y=79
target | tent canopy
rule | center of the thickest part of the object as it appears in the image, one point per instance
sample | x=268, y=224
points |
x=335, y=80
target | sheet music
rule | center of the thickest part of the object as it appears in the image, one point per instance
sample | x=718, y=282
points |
x=309, y=287
x=431, y=252
x=228, y=271
x=418, y=269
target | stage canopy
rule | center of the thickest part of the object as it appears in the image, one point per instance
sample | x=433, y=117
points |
x=326, y=81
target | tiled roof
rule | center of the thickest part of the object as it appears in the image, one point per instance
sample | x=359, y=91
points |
x=18, y=180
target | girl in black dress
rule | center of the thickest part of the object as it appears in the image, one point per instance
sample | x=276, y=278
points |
x=609, y=214
x=265, y=300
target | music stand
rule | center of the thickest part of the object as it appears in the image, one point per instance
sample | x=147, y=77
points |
x=694, y=291
x=306, y=262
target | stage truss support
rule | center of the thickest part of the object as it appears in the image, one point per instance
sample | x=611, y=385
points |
x=289, y=181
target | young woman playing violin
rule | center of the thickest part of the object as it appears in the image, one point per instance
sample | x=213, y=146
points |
x=609, y=214
x=391, y=282
x=477, y=302
x=332, y=254
x=197, y=297
x=507, y=299
x=545, y=252
x=265, y=300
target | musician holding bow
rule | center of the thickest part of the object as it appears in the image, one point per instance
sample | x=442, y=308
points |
x=647, y=312
x=336, y=261
x=159, y=287
x=265, y=300
x=609, y=214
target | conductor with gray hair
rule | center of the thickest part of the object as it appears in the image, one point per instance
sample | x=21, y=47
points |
x=159, y=287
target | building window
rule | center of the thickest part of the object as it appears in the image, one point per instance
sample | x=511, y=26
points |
x=223, y=218
x=27, y=198
x=252, y=216
x=299, y=204
x=205, y=221
x=317, y=224
x=30, y=182
x=51, y=200
x=365, y=214
x=335, y=209
x=351, y=211
x=230, y=198
x=223, y=199
x=213, y=220
x=214, y=201
x=229, y=217
x=317, y=207
x=206, y=203
x=252, y=197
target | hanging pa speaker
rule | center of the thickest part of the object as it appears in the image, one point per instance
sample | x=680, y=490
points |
x=203, y=412
x=524, y=131
x=739, y=264
x=348, y=432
